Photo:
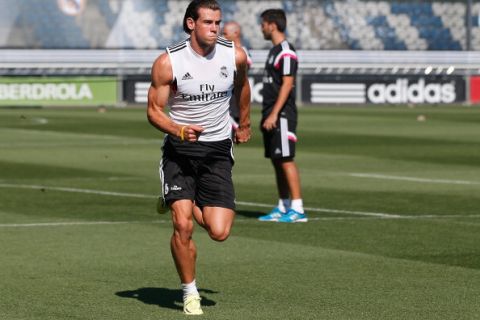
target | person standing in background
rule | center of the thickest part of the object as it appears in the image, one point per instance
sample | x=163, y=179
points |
x=233, y=32
x=279, y=118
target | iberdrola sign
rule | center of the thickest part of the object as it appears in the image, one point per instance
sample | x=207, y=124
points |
x=58, y=91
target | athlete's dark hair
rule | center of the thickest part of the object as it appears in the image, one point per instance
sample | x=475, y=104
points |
x=276, y=16
x=192, y=11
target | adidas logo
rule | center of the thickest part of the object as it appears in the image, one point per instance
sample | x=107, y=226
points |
x=187, y=76
x=278, y=151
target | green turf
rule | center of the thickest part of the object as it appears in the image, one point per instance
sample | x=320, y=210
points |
x=393, y=202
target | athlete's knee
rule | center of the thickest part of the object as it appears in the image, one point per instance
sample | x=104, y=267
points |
x=220, y=237
x=219, y=234
x=183, y=229
x=218, y=222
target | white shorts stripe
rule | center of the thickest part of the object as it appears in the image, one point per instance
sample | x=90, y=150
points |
x=160, y=172
x=284, y=137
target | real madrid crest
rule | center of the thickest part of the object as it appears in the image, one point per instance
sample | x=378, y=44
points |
x=166, y=189
x=224, y=72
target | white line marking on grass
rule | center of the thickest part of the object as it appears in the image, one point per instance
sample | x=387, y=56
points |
x=40, y=120
x=242, y=203
x=62, y=134
x=413, y=179
x=73, y=223
x=445, y=216
x=361, y=213
x=65, y=189
x=122, y=179
x=237, y=220
x=74, y=144
x=406, y=217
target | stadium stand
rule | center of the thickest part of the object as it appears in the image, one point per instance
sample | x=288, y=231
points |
x=172, y=30
x=429, y=25
x=476, y=27
x=110, y=11
x=133, y=26
x=452, y=16
x=352, y=34
x=51, y=28
x=350, y=17
x=319, y=31
x=411, y=41
x=313, y=24
x=247, y=16
x=95, y=25
x=9, y=33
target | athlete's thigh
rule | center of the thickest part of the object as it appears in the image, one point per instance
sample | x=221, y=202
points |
x=178, y=181
x=215, y=185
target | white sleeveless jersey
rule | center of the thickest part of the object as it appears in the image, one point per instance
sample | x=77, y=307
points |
x=202, y=88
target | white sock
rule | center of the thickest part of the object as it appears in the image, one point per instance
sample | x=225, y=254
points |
x=283, y=205
x=189, y=288
x=297, y=205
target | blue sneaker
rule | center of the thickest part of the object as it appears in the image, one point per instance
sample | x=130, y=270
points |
x=274, y=215
x=293, y=216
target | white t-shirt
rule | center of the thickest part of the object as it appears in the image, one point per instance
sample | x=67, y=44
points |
x=202, y=88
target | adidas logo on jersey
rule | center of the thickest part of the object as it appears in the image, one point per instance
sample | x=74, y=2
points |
x=187, y=76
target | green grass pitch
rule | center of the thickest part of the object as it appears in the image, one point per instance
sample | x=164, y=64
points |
x=393, y=202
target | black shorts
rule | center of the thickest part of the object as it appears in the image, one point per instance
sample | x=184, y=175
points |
x=201, y=172
x=280, y=142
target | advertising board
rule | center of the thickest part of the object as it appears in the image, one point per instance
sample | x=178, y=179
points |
x=401, y=89
x=350, y=89
x=475, y=89
x=58, y=91
x=135, y=89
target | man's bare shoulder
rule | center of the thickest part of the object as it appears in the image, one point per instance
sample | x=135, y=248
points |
x=162, y=69
x=162, y=62
x=240, y=56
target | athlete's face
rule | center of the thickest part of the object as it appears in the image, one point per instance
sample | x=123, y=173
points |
x=267, y=30
x=207, y=26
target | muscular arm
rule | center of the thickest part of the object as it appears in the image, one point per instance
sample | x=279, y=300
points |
x=158, y=94
x=242, y=96
x=287, y=86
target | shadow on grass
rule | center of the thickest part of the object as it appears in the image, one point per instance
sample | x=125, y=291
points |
x=250, y=214
x=163, y=297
